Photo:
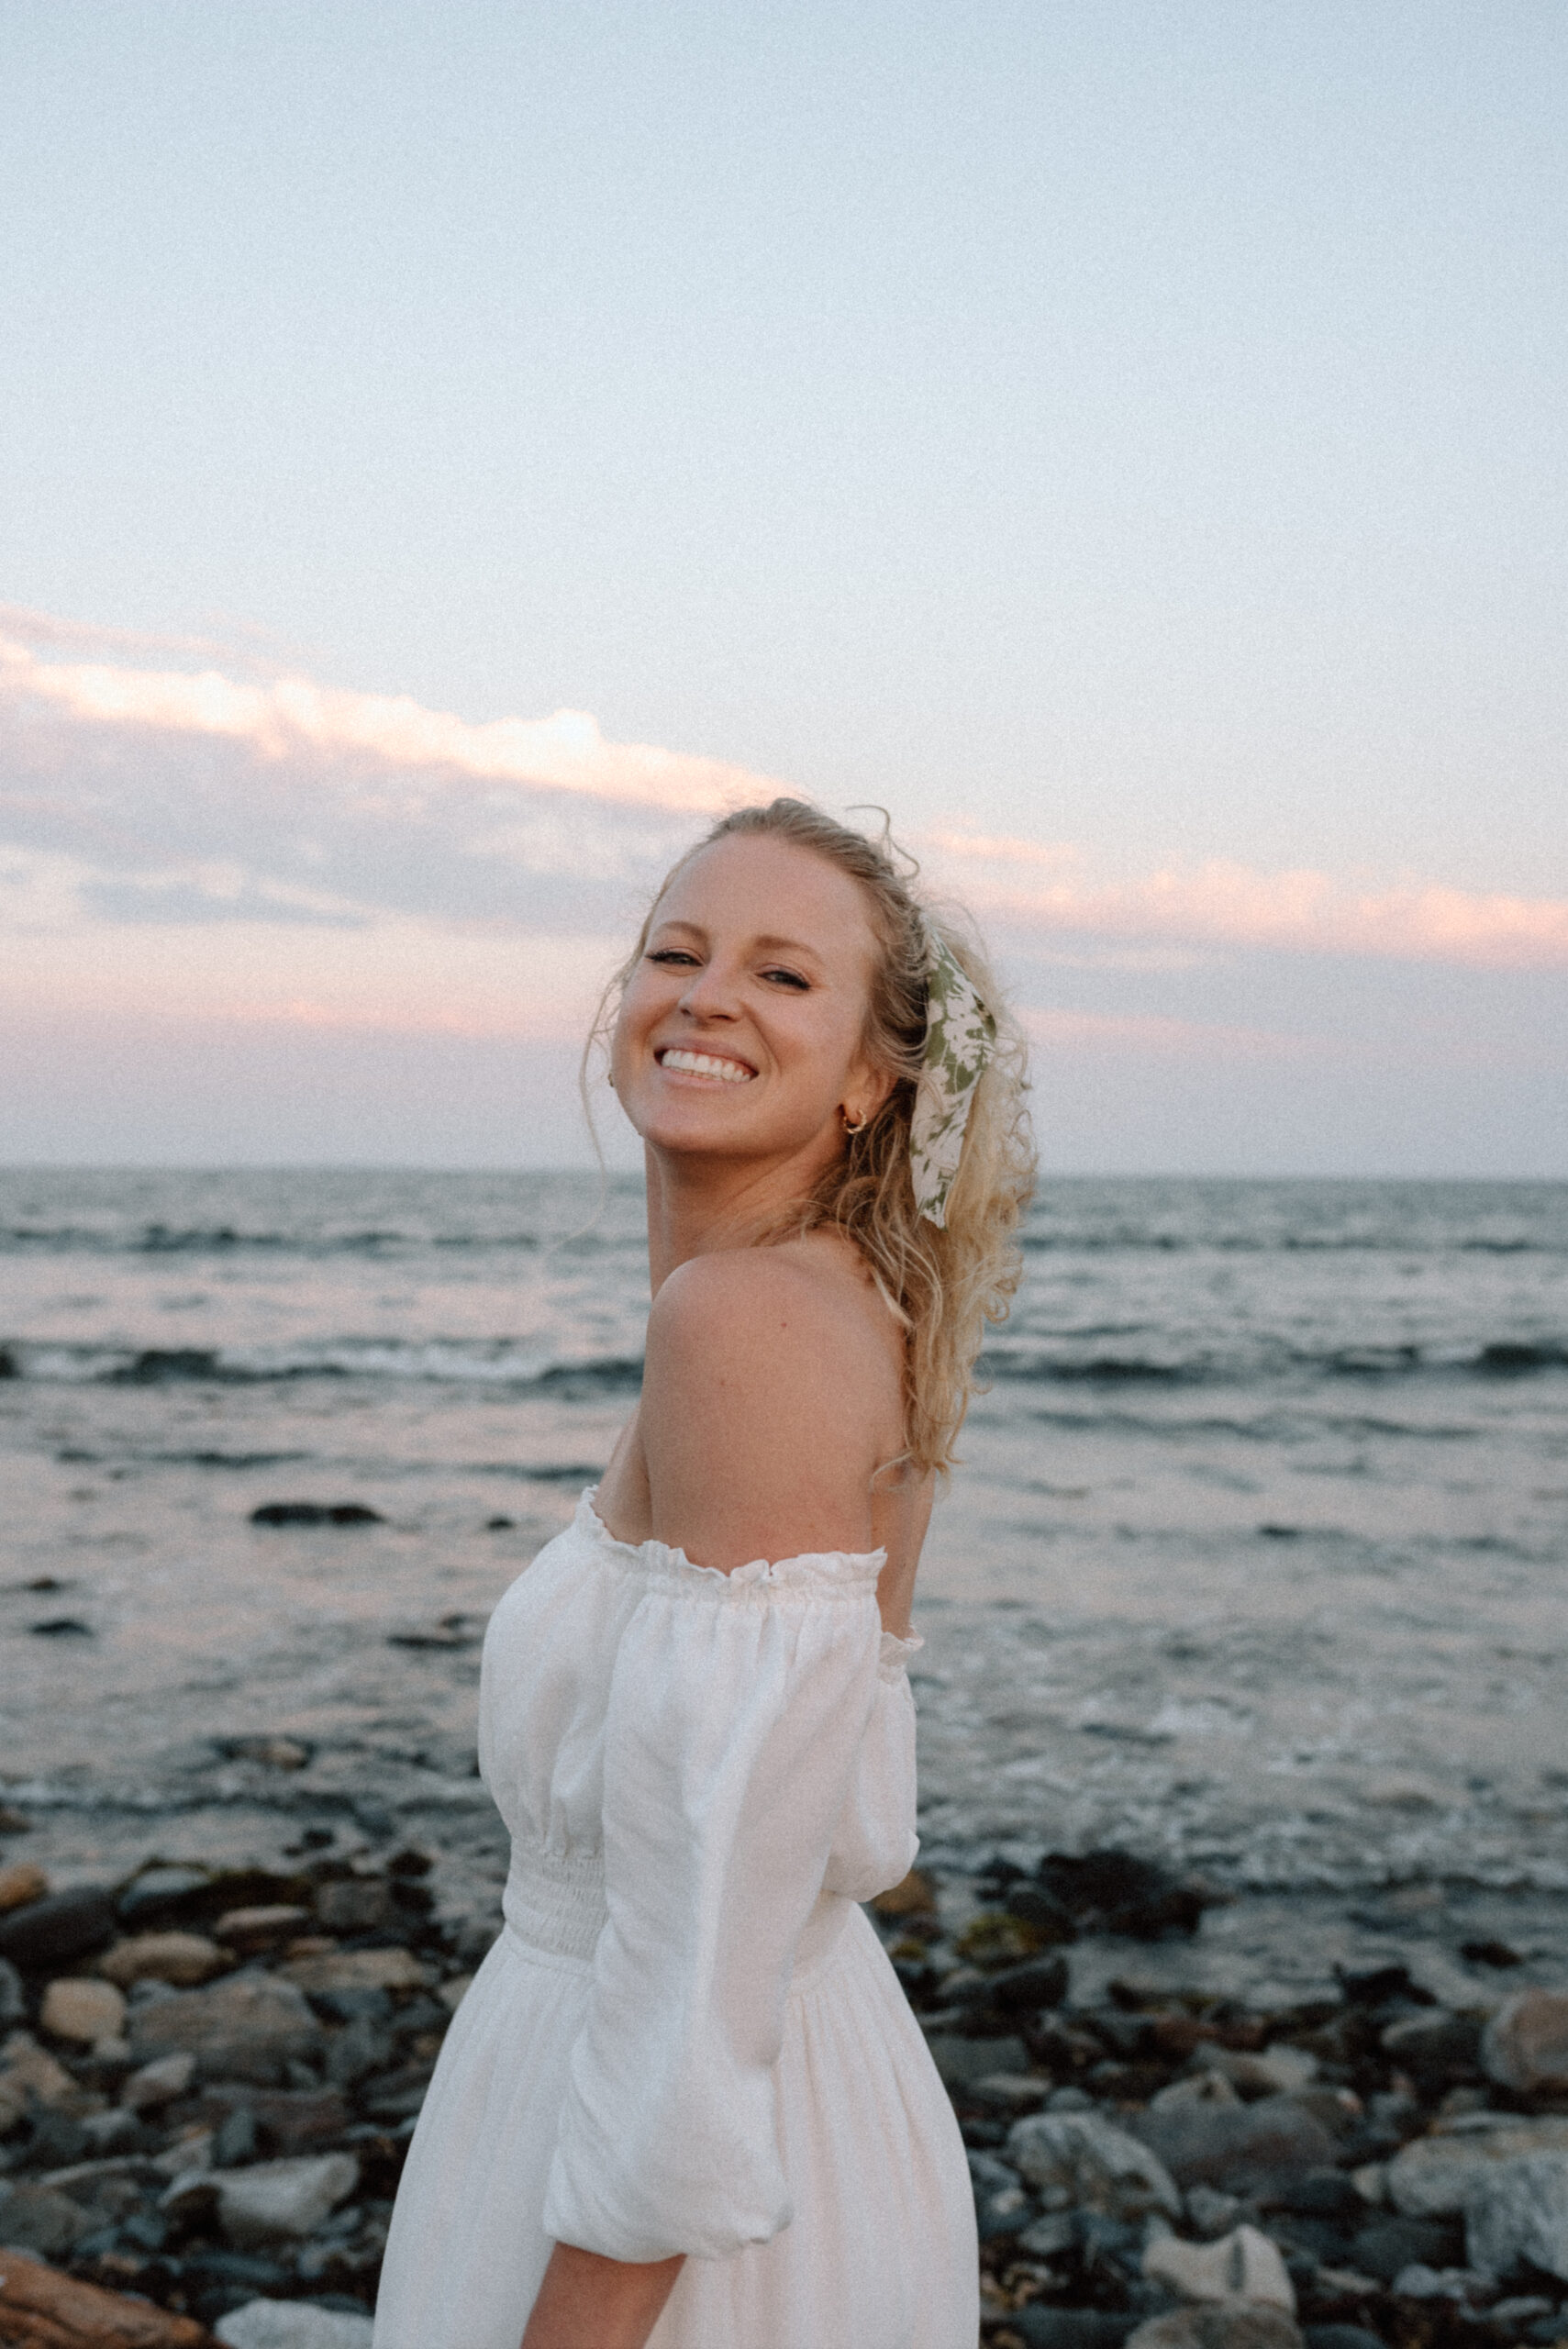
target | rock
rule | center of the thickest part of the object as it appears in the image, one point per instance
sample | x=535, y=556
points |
x=181, y=1959
x=1049, y=2237
x=159, y=2083
x=1240, y=2324
x=1199, y=2087
x=1077, y=2160
x=358, y=1969
x=247, y=1932
x=1525, y=2046
x=1389, y=2246
x=1025, y=1989
x=1518, y=2212
x=356, y=1905
x=160, y=1894
x=292, y=2324
x=1043, y=2327
x=1051, y=1919
x=30, y=2076
x=316, y=1513
x=913, y=1896
x=1115, y=1892
x=36, y=2218
x=961, y=2061
x=13, y=1997
x=291, y=2120
x=276, y=1753
x=1433, y=2176
x=21, y=1883
x=1434, y=2046
x=359, y=2051
x=58, y=1929
x=249, y=2028
x=1237, y=2148
x=1274, y=2071
x=84, y=2011
x=66, y=2313
x=279, y=2201
x=1341, y=2336
x=1243, y=2265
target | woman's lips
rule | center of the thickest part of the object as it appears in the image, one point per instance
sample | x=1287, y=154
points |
x=684, y=1062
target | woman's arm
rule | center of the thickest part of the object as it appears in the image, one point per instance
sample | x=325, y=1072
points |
x=588, y=2303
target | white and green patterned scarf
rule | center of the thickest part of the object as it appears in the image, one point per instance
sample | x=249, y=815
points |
x=961, y=1035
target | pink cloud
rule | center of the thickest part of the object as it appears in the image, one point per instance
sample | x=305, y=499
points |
x=1098, y=1031
x=284, y=714
x=1222, y=903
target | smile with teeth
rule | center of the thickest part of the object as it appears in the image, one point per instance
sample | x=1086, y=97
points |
x=704, y=1064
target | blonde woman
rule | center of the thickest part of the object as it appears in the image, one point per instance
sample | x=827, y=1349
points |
x=684, y=2104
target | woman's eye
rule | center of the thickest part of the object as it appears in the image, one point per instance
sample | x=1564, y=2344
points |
x=676, y=954
x=787, y=979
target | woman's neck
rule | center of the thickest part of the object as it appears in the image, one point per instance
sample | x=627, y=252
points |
x=699, y=1206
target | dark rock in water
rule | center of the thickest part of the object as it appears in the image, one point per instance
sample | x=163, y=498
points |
x=159, y=1895
x=58, y=1929
x=61, y=1627
x=1025, y=1989
x=455, y=1631
x=9, y=1366
x=316, y=1513
x=1115, y=1892
x=499, y=1524
x=1051, y=1917
x=1381, y=1986
x=1496, y=1953
x=961, y=2060
x=1241, y=2148
x=1434, y=2046
x=248, y=2028
x=1048, y=2328
x=1390, y=2244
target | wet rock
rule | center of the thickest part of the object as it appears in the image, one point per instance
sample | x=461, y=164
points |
x=249, y=2028
x=358, y=1969
x=1049, y=2237
x=284, y=2201
x=1078, y=2160
x=159, y=1894
x=358, y=2051
x=1436, y=2046
x=1526, y=2044
x=1047, y=2328
x=1115, y=1892
x=355, y=1905
x=316, y=1513
x=21, y=1883
x=1239, y=2148
x=1518, y=2215
x=182, y=1960
x=1341, y=2336
x=36, y=2218
x=159, y=2083
x=249, y=1932
x=1002, y=2204
x=82, y=2010
x=1242, y=2265
x=1270, y=2071
x=292, y=2324
x=1199, y=2087
x=1243, y=2324
x=960, y=2061
x=1389, y=2246
x=1433, y=2176
x=287, y=2121
x=58, y=1930
x=274, y=1753
x=1050, y=1917
x=38, y=2306
x=30, y=2076
x=13, y=1997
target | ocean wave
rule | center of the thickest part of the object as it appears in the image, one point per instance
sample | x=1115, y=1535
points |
x=1023, y=1363
x=496, y=1362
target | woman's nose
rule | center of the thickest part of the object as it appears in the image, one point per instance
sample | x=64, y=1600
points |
x=712, y=994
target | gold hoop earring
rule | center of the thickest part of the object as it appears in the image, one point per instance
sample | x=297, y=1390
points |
x=856, y=1125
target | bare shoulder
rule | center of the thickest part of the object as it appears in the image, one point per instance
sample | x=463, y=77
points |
x=772, y=1392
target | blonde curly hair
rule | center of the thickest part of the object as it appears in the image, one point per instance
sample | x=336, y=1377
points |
x=945, y=1285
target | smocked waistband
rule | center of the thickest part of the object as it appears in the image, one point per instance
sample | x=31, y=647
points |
x=556, y=1903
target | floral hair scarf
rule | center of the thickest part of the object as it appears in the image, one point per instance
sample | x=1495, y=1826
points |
x=961, y=1036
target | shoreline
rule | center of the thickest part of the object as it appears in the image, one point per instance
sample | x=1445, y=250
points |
x=1167, y=2093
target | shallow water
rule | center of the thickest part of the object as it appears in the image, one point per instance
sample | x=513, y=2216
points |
x=1257, y=1559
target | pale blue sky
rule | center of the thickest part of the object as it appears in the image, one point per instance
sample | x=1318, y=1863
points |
x=1140, y=426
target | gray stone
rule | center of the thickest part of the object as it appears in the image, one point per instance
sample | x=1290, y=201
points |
x=1526, y=2044
x=13, y=1997
x=58, y=1929
x=960, y=2061
x=292, y=2324
x=1433, y=2176
x=1046, y=2237
x=1078, y=2160
x=356, y=1905
x=1435, y=2046
x=1237, y=2324
x=40, y=2219
x=1519, y=2212
x=1276, y=2071
x=1244, y=2265
x=1236, y=2147
x=248, y=2028
x=1199, y=2087
x=279, y=2201
x=159, y=2082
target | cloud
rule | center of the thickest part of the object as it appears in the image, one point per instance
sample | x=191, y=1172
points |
x=1098, y=1032
x=1226, y=904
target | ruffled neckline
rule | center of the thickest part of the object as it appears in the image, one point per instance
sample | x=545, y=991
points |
x=833, y=1568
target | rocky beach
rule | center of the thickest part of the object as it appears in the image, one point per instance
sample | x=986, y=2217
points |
x=210, y=2072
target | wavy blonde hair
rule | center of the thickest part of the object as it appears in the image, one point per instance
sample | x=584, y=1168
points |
x=945, y=1285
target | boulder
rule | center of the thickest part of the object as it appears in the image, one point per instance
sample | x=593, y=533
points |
x=1525, y=2046
x=40, y=2306
x=82, y=2010
x=1433, y=2176
x=40, y=2219
x=279, y=2201
x=1079, y=2161
x=248, y=2028
x=58, y=1929
x=1234, y=2324
x=1517, y=2214
x=1242, y=2265
x=292, y=2324
x=1239, y=2148
x=21, y=1884
x=184, y=1960
x=356, y=1969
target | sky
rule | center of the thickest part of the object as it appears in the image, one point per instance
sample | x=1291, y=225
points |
x=449, y=452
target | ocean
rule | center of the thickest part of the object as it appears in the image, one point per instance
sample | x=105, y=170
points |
x=1256, y=1563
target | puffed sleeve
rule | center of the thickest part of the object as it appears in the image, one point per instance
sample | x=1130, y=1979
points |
x=736, y=1711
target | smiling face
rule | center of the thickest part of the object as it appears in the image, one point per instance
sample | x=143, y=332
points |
x=739, y=1034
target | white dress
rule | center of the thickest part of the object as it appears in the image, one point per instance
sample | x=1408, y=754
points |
x=688, y=2037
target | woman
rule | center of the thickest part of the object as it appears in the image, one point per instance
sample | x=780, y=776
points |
x=684, y=2103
